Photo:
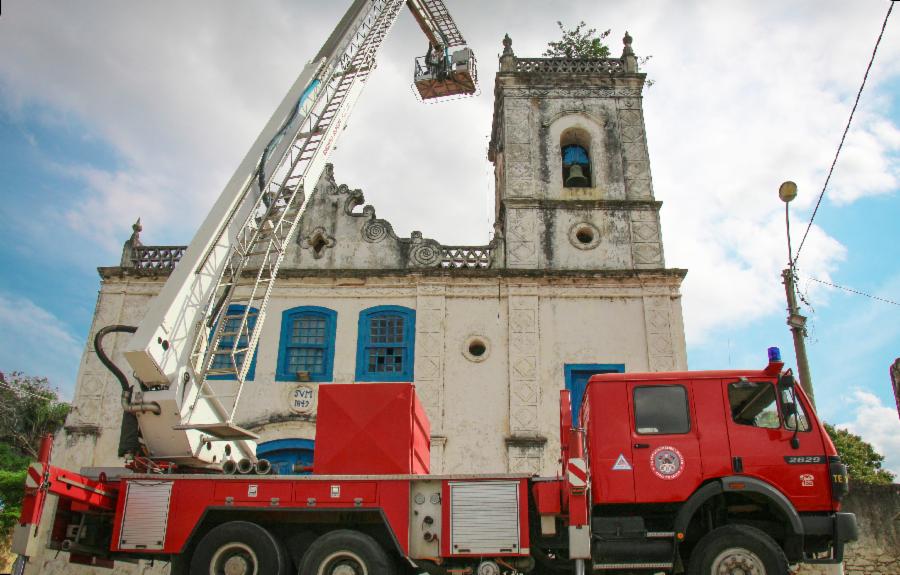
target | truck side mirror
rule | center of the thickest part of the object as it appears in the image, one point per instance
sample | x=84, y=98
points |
x=786, y=381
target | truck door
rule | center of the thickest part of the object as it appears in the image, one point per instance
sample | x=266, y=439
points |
x=665, y=450
x=760, y=438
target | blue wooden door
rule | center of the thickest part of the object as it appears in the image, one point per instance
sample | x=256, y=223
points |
x=577, y=376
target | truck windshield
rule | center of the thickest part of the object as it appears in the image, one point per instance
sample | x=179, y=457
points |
x=753, y=403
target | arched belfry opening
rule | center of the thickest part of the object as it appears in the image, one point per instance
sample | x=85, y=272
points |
x=575, y=147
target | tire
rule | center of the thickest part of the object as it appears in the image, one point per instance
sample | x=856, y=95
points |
x=734, y=549
x=242, y=545
x=296, y=545
x=335, y=551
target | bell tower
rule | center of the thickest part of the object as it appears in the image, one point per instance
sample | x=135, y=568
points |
x=572, y=174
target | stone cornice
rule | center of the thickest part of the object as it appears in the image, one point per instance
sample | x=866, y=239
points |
x=665, y=274
x=648, y=205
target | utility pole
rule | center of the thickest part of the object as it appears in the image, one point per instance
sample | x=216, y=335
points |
x=797, y=322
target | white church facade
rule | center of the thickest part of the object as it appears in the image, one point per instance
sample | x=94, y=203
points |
x=573, y=283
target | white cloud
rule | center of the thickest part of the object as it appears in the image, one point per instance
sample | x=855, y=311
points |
x=876, y=423
x=36, y=342
x=747, y=95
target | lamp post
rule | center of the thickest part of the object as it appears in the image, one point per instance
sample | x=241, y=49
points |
x=797, y=322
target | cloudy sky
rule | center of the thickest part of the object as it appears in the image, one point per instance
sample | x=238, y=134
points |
x=110, y=110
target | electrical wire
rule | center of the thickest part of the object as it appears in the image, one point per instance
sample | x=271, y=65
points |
x=846, y=129
x=857, y=292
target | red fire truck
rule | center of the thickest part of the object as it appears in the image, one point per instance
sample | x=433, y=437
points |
x=709, y=472
x=726, y=472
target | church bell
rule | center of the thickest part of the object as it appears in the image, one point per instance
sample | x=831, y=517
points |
x=576, y=178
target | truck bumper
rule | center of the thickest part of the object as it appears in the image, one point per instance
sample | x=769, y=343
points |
x=836, y=528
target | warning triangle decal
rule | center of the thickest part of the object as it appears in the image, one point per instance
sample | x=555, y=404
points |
x=621, y=464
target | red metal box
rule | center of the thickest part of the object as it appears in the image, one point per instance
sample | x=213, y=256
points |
x=371, y=429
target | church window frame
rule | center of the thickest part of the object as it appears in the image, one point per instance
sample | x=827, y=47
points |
x=584, y=235
x=221, y=361
x=385, y=334
x=308, y=335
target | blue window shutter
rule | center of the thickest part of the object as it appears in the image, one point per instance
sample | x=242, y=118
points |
x=235, y=309
x=577, y=376
x=385, y=345
x=316, y=330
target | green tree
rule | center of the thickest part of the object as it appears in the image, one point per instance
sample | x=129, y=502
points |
x=12, y=479
x=863, y=462
x=579, y=42
x=29, y=409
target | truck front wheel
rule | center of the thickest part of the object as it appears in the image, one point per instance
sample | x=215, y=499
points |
x=239, y=548
x=737, y=550
x=346, y=552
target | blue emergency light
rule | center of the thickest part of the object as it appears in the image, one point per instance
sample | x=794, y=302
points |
x=774, y=354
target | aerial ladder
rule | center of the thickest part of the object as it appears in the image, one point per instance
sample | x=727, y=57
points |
x=192, y=351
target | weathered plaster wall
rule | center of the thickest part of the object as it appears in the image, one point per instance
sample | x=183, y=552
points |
x=531, y=327
x=877, y=509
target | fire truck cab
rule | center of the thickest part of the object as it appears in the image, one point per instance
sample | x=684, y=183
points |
x=686, y=466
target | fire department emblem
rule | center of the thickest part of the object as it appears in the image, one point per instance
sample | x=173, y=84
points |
x=666, y=462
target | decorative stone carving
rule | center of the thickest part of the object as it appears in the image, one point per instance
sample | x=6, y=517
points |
x=429, y=356
x=646, y=241
x=518, y=125
x=424, y=253
x=647, y=255
x=467, y=256
x=582, y=92
x=317, y=242
x=657, y=322
x=570, y=65
x=133, y=242
x=524, y=387
x=645, y=232
x=156, y=258
x=521, y=238
x=638, y=184
x=376, y=230
x=525, y=454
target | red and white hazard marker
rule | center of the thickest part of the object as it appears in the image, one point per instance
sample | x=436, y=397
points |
x=577, y=473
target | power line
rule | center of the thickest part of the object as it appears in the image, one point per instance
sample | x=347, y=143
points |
x=851, y=290
x=846, y=129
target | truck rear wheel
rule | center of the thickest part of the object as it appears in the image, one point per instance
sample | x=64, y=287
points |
x=737, y=550
x=346, y=552
x=239, y=548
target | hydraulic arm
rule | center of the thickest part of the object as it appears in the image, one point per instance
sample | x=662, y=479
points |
x=189, y=351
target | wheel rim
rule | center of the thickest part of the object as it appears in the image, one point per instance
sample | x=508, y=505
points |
x=234, y=559
x=343, y=563
x=737, y=561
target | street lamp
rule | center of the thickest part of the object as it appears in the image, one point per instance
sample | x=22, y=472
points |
x=797, y=322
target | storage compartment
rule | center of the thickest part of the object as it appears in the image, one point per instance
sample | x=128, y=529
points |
x=484, y=518
x=146, y=514
x=371, y=429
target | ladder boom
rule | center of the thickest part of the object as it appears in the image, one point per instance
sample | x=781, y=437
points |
x=194, y=348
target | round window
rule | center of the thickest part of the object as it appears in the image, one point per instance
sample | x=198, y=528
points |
x=476, y=348
x=584, y=236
